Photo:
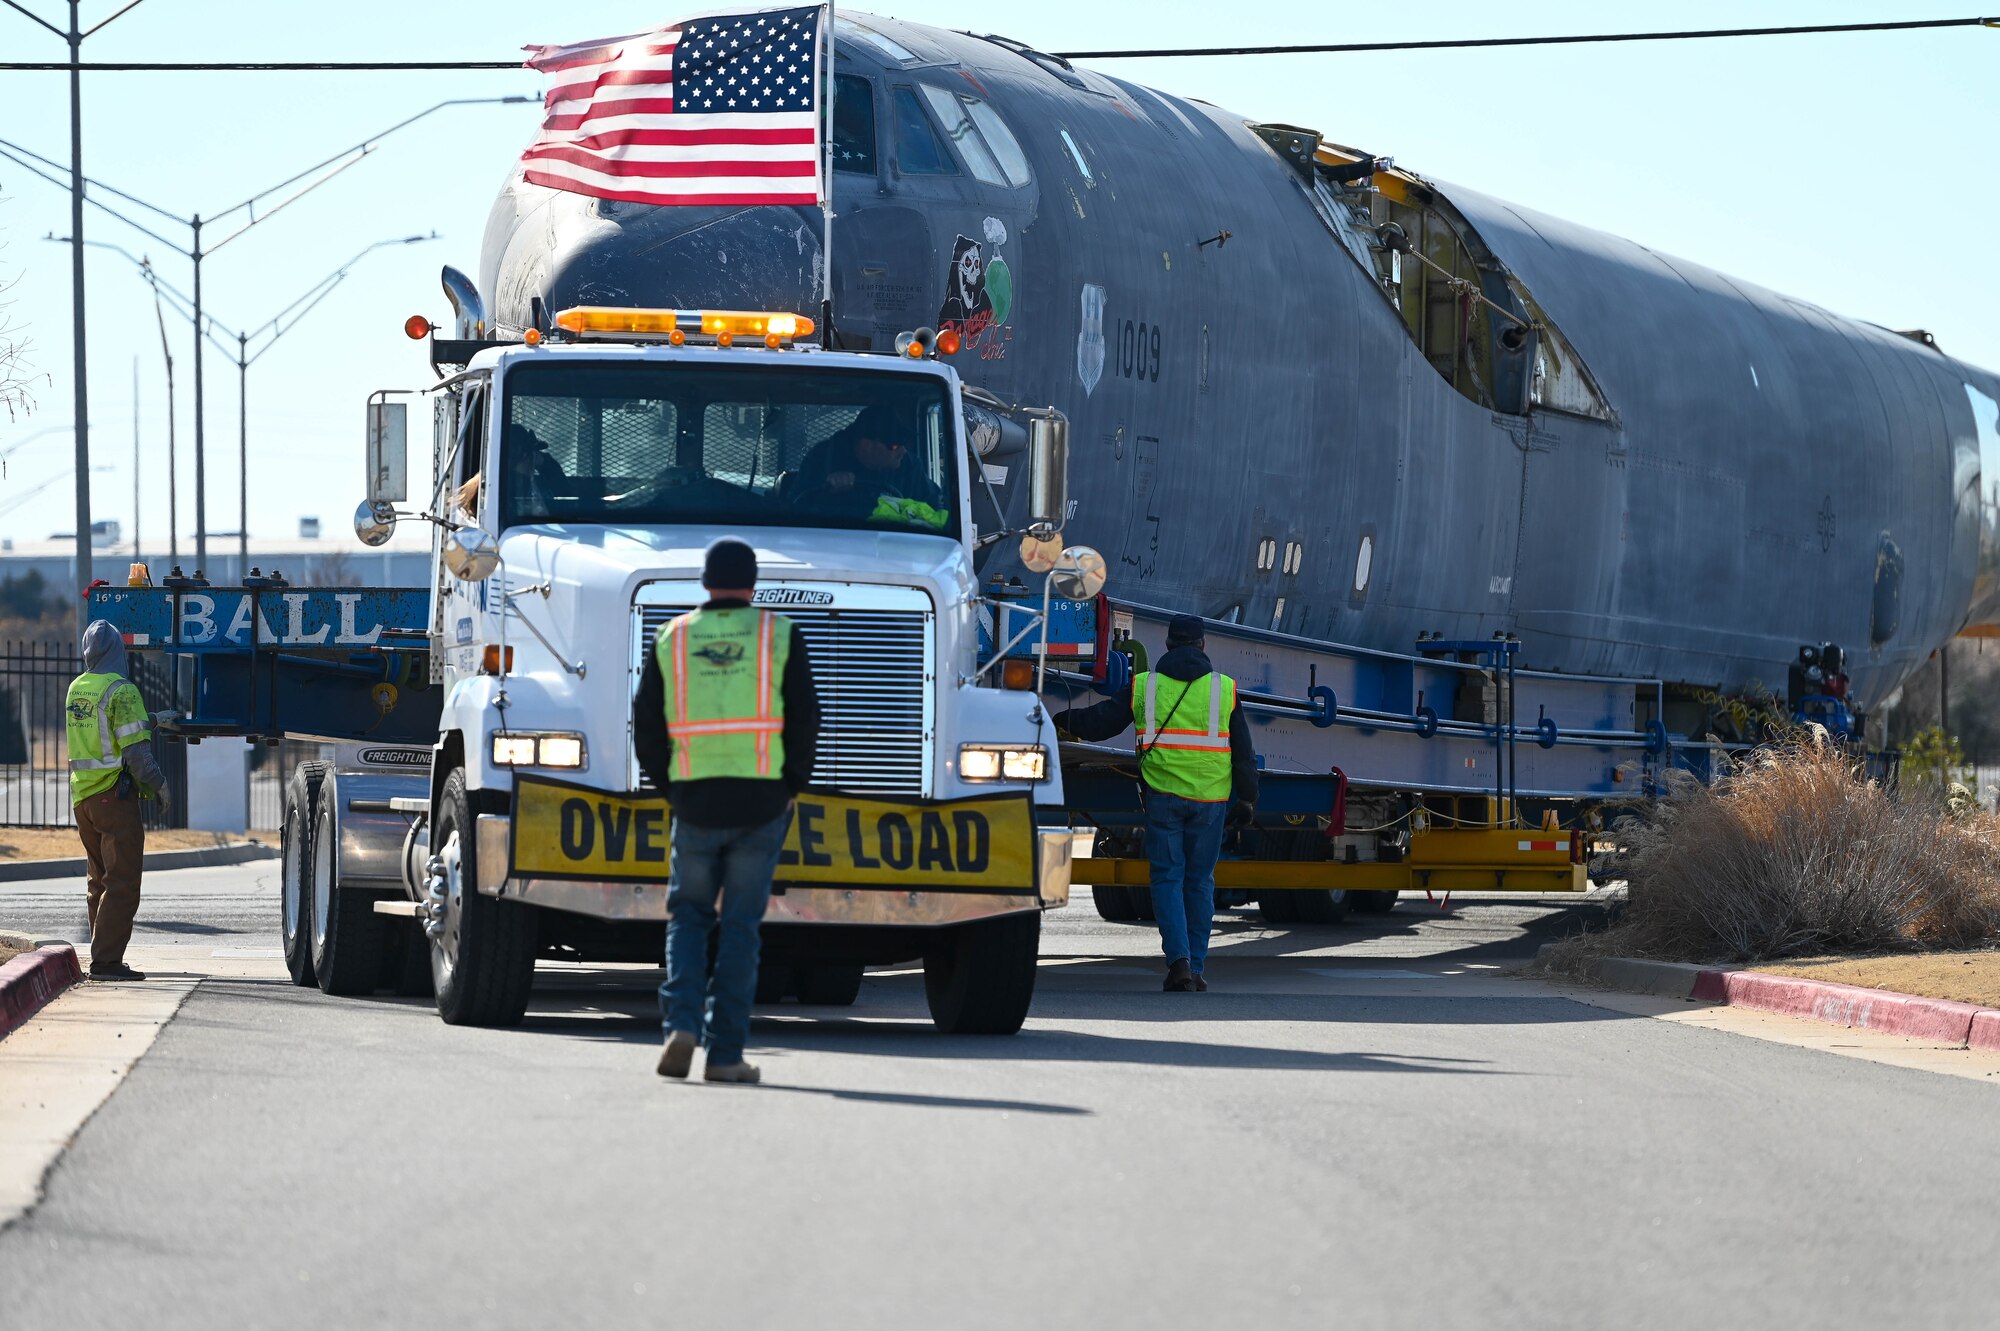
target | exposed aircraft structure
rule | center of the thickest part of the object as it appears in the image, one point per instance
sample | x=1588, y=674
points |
x=1318, y=394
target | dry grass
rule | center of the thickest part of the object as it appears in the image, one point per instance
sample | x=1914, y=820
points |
x=1795, y=854
x=8, y=952
x=60, y=843
x=1967, y=977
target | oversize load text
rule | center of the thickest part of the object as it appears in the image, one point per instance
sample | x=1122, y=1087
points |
x=987, y=842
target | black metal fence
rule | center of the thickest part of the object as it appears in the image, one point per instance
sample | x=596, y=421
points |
x=34, y=750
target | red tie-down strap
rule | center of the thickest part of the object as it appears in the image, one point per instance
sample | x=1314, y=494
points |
x=1100, y=663
x=1336, y=815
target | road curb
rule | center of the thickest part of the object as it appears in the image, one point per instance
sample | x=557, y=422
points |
x=30, y=980
x=207, y=857
x=1881, y=1010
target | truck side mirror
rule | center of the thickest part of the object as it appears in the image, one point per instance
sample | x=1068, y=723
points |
x=1048, y=473
x=470, y=554
x=388, y=451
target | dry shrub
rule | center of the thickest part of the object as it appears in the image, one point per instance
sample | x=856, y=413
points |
x=1796, y=853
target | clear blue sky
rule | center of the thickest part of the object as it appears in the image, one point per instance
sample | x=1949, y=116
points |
x=1858, y=172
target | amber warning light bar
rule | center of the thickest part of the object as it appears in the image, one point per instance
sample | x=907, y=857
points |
x=772, y=328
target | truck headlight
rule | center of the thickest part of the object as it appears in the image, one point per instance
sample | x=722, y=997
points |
x=556, y=748
x=999, y=762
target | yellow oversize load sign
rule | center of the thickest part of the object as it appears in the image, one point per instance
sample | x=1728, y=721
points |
x=982, y=844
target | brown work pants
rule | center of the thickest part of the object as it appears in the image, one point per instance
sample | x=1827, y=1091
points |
x=114, y=842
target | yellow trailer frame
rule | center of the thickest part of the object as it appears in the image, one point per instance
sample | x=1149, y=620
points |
x=1439, y=860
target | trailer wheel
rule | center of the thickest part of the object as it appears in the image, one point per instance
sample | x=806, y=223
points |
x=295, y=877
x=1372, y=903
x=1321, y=905
x=1142, y=904
x=979, y=978
x=835, y=985
x=482, y=948
x=350, y=942
x=774, y=982
x=1114, y=903
x=1279, y=907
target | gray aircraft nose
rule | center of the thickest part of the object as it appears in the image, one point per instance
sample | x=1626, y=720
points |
x=761, y=258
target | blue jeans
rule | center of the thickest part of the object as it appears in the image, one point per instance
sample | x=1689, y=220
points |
x=1183, y=841
x=732, y=865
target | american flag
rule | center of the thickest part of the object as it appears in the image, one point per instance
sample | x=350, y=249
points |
x=721, y=109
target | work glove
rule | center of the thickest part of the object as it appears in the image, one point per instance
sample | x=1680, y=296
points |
x=163, y=795
x=1241, y=814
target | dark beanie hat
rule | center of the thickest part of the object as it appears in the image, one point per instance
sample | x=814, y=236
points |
x=730, y=564
x=1185, y=631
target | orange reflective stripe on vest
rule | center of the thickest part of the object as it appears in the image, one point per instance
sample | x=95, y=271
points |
x=725, y=711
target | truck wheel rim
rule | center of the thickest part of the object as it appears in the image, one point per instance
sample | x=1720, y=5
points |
x=323, y=882
x=294, y=872
x=451, y=877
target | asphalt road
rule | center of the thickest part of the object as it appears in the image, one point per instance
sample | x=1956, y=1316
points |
x=1363, y=1126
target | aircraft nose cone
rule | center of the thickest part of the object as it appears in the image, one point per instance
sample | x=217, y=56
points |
x=762, y=258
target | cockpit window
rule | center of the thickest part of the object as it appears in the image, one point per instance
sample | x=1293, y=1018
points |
x=989, y=148
x=847, y=30
x=1006, y=148
x=958, y=127
x=854, y=125
x=918, y=149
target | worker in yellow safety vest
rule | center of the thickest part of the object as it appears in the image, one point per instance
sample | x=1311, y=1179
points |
x=111, y=767
x=726, y=722
x=1198, y=774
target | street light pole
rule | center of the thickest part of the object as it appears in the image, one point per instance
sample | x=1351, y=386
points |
x=200, y=457
x=242, y=455
x=79, y=351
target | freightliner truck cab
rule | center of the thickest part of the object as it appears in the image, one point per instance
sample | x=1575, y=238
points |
x=578, y=476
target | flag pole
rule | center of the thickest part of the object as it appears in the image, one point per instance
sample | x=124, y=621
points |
x=826, y=184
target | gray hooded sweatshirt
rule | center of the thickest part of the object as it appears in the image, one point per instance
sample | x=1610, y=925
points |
x=104, y=654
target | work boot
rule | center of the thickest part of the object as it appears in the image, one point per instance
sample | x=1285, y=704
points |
x=1200, y=985
x=678, y=1056
x=740, y=1071
x=1180, y=980
x=117, y=970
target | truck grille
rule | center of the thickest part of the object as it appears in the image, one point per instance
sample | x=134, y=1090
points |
x=872, y=668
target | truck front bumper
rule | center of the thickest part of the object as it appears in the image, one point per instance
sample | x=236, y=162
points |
x=789, y=904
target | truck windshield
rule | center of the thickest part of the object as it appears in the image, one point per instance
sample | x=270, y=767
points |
x=758, y=444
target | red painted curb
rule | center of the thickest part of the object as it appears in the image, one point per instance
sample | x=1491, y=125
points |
x=1711, y=987
x=30, y=980
x=1851, y=1005
x=1985, y=1032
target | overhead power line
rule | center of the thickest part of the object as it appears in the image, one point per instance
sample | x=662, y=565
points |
x=1152, y=53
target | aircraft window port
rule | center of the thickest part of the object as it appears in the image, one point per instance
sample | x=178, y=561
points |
x=854, y=125
x=984, y=141
x=919, y=152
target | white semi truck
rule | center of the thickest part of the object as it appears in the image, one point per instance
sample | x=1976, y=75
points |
x=479, y=806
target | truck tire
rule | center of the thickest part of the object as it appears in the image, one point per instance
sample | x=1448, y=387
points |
x=483, y=950
x=979, y=978
x=1114, y=903
x=824, y=985
x=295, y=907
x=408, y=972
x=1321, y=905
x=350, y=942
x=1372, y=903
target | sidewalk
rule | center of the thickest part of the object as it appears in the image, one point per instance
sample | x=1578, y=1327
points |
x=1935, y=1019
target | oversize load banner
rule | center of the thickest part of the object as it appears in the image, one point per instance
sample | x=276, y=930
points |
x=985, y=843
